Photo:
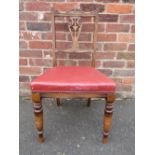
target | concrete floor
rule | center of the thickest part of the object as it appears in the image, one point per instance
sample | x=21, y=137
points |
x=74, y=129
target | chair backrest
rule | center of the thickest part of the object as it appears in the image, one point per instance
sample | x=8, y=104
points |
x=75, y=28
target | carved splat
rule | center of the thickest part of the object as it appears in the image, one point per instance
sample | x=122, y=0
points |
x=75, y=29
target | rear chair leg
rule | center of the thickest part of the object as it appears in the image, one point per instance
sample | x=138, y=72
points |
x=58, y=101
x=38, y=114
x=107, y=121
x=89, y=102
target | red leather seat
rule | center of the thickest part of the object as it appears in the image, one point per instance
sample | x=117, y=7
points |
x=72, y=79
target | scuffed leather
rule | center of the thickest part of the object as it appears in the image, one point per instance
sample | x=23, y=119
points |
x=72, y=79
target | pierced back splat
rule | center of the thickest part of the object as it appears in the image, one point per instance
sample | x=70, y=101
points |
x=75, y=29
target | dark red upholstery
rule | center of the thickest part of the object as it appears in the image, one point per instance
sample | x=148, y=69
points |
x=72, y=79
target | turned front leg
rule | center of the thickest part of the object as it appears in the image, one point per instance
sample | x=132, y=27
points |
x=58, y=102
x=107, y=121
x=38, y=114
x=88, y=102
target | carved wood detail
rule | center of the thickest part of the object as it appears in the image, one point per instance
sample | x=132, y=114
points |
x=75, y=29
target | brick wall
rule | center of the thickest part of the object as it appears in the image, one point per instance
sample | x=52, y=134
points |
x=115, y=48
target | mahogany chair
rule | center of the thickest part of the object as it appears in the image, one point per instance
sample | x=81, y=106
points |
x=73, y=81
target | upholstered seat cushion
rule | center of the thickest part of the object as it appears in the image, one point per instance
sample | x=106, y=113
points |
x=72, y=79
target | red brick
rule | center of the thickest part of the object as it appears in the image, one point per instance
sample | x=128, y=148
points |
x=22, y=62
x=61, y=36
x=101, y=27
x=98, y=64
x=86, y=46
x=87, y=27
x=126, y=38
x=86, y=19
x=30, y=53
x=24, y=78
x=117, y=28
x=47, y=54
x=115, y=46
x=80, y=0
x=40, y=44
x=82, y=37
x=38, y=26
x=24, y=85
x=56, y=0
x=67, y=63
x=105, y=55
x=48, y=36
x=61, y=27
x=61, y=55
x=122, y=87
x=128, y=81
x=117, y=80
x=37, y=6
x=106, y=71
x=127, y=18
x=23, y=44
x=119, y=8
x=133, y=29
x=99, y=47
x=22, y=26
x=44, y=16
x=21, y=6
x=33, y=77
x=131, y=47
x=91, y=7
x=128, y=1
x=126, y=55
x=28, y=16
x=131, y=64
x=108, y=17
x=81, y=55
x=114, y=64
x=106, y=37
x=124, y=73
x=30, y=70
x=85, y=37
x=63, y=45
x=29, y=35
x=64, y=6
x=40, y=62
x=107, y=1
x=84, y=63
x=60, y=19
x=88, y=63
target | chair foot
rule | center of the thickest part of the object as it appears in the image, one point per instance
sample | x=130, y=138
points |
x=105, y=139
x=89, y=102
x=58, y=102
x=41, y=139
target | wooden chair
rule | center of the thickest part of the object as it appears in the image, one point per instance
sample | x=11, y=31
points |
x=73, y=81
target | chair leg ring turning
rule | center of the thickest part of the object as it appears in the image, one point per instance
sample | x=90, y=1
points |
x=88, y=102
x=107, y=120
x=38, y=114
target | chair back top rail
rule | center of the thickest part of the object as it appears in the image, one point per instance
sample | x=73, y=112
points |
x=76, y=13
